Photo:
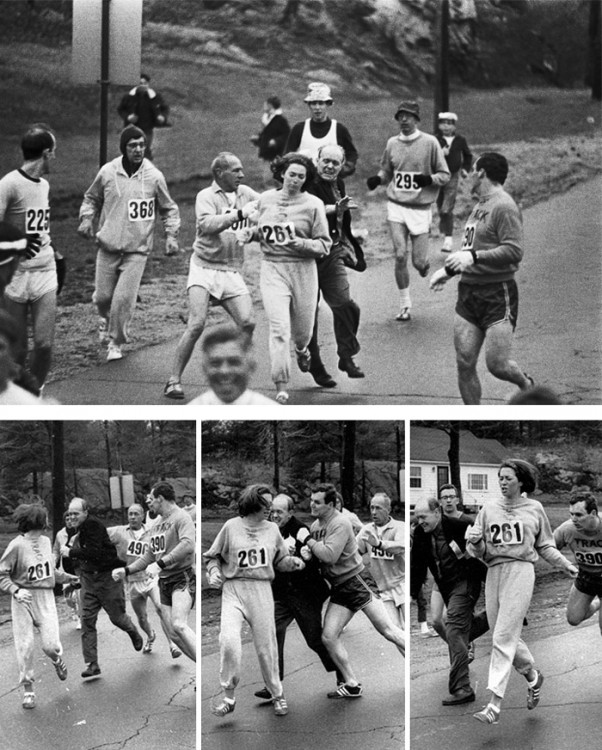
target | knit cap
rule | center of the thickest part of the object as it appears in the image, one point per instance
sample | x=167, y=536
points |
x=130, y=133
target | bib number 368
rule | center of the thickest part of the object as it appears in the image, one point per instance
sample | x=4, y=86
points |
x=141, y=209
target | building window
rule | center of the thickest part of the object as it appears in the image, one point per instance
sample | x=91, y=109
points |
x=415, y=477
x=477, y=482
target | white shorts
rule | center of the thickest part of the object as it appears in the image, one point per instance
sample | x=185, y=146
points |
x=141, y=588
x=220, y=284
x=30, y=285
x=417, y=220
x=396, y=595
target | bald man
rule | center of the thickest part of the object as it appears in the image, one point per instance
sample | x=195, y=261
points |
x=97, y=556
x=298, y=596
x=131, y=541
x=384, y=539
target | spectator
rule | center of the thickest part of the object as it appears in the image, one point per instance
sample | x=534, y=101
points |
x=271, y=141
x=146, y=108
x=459, y=161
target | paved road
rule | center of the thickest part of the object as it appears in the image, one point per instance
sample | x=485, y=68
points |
x=568, y=715
x=140, y=702
x=314, y=722
x=558, y=335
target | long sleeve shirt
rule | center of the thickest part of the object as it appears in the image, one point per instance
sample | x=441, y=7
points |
x=171, y=541
x=127, y=206
x=335, y=547
x=93, y=549
x=494, y=230
x=585, y=545
x=387, y=561
x=515, y=531
x=28, y=563
x=405, y=157
x=456, y=151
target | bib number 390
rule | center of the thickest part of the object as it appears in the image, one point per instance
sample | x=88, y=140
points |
x=278, y=234
x=468, y=237
x=141, y=209
x=507, y=533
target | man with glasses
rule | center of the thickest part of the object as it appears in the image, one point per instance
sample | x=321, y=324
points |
x=309, y=135
x=96, y=556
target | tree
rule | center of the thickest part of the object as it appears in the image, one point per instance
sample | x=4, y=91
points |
x=594, y=67
x=348, y=464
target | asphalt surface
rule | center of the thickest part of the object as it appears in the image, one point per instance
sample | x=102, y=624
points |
x=568, y=714
x=557, y=340
x=140, y=701
x=376, y=720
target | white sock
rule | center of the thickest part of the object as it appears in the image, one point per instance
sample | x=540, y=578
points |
x=424, y=627
x=404, y=298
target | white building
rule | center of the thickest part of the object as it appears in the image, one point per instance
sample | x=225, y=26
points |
x=429, y=465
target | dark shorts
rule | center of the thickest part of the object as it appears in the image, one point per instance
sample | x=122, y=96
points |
x=589, y=584
x=184, y=580
x=354, y=594
x=485, y=305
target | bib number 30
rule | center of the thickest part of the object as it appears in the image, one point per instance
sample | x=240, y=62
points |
x=141, y=209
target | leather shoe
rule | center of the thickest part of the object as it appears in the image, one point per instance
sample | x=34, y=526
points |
x=91, y=670
x=346, y=364
x=136, y=639
x=264, y=694
x=323, y=379
x=457, y=699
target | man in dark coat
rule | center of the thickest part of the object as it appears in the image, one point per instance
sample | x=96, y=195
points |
x=144, y=107
x=439, y=546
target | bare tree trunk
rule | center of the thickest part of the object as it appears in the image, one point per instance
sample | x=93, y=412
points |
x=58, y=476
x=594, y=72
x=454, y=456
x=348, y=464
x=275, y=444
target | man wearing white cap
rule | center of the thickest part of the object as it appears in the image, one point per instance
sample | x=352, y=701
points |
x=319, y=130
x=413, y=168
x=459, y=160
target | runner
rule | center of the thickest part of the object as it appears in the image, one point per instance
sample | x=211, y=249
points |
x=131, y=541
x=384, y=539
x=487, y=306
x=170, y=554
x=508, y=535
x=582, y=533
x=333, y=542
x=27, y=572
x=34, y=285
x=242, y=560
x=413, y=168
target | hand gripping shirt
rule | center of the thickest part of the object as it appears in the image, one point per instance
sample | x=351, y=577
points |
x=336, y=548
x=24, y=204
x=128, y=206
x=172, y=540
x=245, y=550
x=130, y=545
x=586, y=546
x=515, y=532
x=387, y=566
x=28, y=563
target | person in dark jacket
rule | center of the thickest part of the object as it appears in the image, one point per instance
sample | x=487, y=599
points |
x=332, y=274
x=273, y=136
x=300, y=595
x=459, y=160
x=97, y=556
x=439, y=546
x=146, y=108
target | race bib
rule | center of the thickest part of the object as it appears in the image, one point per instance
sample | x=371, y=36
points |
x=39, y=572
x=244, y=224
x=136, y=548
x=404, y=181
x=588, y=558
x=141, y=209
x=157, y=543
x=256, y=557
x=507, y=533
x=278, y=234
x=381, y=554
x=37, y=220
x=468, y=236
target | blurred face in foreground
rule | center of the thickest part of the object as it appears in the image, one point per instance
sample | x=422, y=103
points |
x=227, y=368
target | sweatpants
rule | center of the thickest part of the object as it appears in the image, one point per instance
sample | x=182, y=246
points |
x=43, y=610
x=118, y=277
x=508, y=592
x=289, y=292
x=249, y=600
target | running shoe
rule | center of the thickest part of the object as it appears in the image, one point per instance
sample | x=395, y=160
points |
x=403, y=314
x=114, y=352
x=425, y=271
x=175, y=652
x=148, y=646
x=280, y=706
x=223, y=708
x=29, y=700
x=429, y=633
x=303, y=359
x=173, y=389
x=489, y=715
x=347, y=691
x=447, y=245
x=533, y=691
x=282, y=397
x=136, y=639
x=61, y=668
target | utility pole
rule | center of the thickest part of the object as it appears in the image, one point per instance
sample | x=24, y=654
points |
x=442, y=65
x=104, y=81
x=58, y=476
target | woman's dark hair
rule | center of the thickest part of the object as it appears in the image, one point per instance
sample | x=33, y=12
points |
x=525, y=472
x=282, y=163
x=30, y=517
x=252, y=499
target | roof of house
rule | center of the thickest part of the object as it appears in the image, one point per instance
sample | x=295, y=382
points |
x=430, y=445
